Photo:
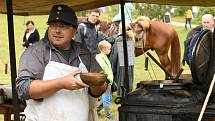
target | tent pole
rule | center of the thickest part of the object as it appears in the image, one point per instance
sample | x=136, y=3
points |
x=125, y=83
x=12, y=58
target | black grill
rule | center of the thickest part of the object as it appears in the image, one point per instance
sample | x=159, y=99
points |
x=151, y=113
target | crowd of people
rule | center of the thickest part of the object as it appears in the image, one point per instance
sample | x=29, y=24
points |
x=49, y=69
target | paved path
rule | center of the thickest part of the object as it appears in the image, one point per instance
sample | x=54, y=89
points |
x=181, y=24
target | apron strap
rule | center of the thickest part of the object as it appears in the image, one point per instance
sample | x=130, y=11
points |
x=82, y=67
x=80, y=59
x=50, y=54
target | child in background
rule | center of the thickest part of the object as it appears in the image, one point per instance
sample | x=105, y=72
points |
x=102, y=59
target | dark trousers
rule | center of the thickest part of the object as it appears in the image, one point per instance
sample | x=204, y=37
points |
x=187, y=21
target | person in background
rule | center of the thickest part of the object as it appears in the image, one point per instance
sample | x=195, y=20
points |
x=87, y=32
x=87, y=35
x=117, y=68
x=100, y=34
x=31, y=34
x=188, y=18
x=208, y=22
x=102, y=59
x=49, y=73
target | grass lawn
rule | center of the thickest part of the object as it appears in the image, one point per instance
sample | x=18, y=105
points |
x=196, y=21
x=40, y=23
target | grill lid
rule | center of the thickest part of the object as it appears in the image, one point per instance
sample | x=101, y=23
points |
x=203, y=59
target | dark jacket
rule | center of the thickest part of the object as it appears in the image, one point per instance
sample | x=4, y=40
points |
x=119, y=71
x=34, y=37
x=88, y=39
x=101, y=36
x=187, y=47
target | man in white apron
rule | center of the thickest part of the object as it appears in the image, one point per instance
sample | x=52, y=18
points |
x=49, y=70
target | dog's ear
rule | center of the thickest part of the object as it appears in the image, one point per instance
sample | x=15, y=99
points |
x=142, y=18
x=144, y=23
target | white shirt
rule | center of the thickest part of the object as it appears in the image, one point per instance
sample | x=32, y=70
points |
x=28, y=34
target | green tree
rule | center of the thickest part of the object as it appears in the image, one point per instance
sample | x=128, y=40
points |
x=153, y=10
x=110, y=12
x=181, y=10
x=206, y=10
x=81, y=13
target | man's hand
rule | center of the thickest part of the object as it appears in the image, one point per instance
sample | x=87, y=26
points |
x=41, y=89
x=71, y=83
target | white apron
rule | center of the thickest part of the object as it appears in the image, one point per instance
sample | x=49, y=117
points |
x=64, y=105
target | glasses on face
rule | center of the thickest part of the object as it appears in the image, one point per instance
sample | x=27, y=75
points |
x=60, y=25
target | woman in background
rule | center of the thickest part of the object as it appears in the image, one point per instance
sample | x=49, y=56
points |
x=188, y=18
x=31, y=34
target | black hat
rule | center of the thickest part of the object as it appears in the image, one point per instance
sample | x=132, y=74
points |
x=63, y=14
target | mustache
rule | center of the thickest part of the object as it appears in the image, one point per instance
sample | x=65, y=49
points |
x=57, y=35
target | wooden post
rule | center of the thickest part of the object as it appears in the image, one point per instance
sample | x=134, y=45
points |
x=168, y=74
x=146, y=63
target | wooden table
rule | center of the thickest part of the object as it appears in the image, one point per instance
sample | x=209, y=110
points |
x=7, y=110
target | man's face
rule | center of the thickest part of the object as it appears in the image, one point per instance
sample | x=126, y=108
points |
x=60, y=34
x=93, y=17
x=208, y=23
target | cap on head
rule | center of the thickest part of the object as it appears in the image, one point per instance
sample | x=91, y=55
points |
x=63, y=14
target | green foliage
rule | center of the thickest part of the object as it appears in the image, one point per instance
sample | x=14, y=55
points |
x=110, y=12
x=206, y=10
x=113, y=10
x=81, y=13
x=152, y=10
x=181, y=10
x=141, y=9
